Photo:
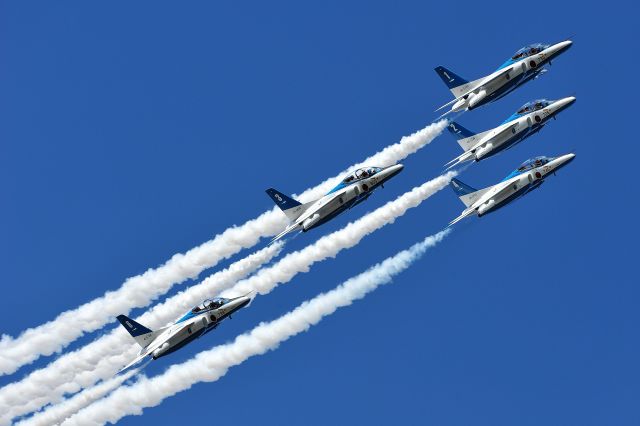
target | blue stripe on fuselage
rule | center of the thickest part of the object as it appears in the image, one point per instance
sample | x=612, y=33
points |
x=193, y=336
x=510, y=143
x=351, y=203
x=518, y=194
x=510, y=86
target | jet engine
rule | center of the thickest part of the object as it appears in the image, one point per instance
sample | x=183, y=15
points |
x=474, y=99
x=485, y=207
x=482, y=151
x=458, y=105
x=308, y=223
x=162, y=349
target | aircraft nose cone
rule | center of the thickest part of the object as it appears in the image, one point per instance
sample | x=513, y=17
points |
x=566, y=44
x=564, y=160
x=558, y=48
x=391, y=171
x=243, y=301
x=562, y=104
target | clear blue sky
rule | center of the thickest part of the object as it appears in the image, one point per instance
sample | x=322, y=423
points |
x=134, y=130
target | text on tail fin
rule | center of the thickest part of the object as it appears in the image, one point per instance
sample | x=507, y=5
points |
x=281, y=200
x=460, y=188
x=451, y=79
x=459, y=131
x=135, y=329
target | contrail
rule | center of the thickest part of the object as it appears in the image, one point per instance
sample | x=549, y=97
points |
x=209, y=366
x=328, y=246
x=105, y=359
x=141, y=290
x=56, y=414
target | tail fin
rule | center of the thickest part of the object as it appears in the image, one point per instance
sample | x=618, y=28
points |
x=142, y=335
x=467, y=194
x=458, y=131
x=460, y=188
x=451, y=79
x=466, y=138
x=290, y=207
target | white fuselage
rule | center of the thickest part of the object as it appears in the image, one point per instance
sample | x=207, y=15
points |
x=182, y=332
x=476, y=92
x=495, y=139
x=335, y=202
x=497, y=195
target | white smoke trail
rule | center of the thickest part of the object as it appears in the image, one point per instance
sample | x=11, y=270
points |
x=108, y=358
x=56, y=414
x=328, y=246
x=141, y=290
x=103, y=357
x=209, y=366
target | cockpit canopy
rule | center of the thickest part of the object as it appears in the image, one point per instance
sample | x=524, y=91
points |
x=529, y=50
x=362, y=173
x=534, y=106
x=527, y=108
x=528, y=165
x=533, y=163
x=210, y=304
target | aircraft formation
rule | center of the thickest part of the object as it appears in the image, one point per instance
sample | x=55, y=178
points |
x=525, y=65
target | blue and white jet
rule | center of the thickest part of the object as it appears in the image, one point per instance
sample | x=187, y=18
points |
x=520, y=182
x=527, y=121
x=197, y=322
x=353, y=190
x=525, y=65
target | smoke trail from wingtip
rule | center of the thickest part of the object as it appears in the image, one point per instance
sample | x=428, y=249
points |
x=141, y=290
x=108, y=359
x=209, y=366
x=103, y=357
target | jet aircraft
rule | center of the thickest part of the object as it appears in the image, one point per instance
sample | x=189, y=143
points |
x=527, y=121
x=198, y=321
x=351, y=191
x=521, y=181
x=526, y=64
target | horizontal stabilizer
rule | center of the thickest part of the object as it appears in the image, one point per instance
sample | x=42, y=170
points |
x=467, y=212
x=289, y=229
x=466, y=156
x=134, y=362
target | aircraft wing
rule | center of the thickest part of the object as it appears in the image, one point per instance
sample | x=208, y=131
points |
x=483, y=83
x=493, y=191
x=465, y=156
x=505, y=131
